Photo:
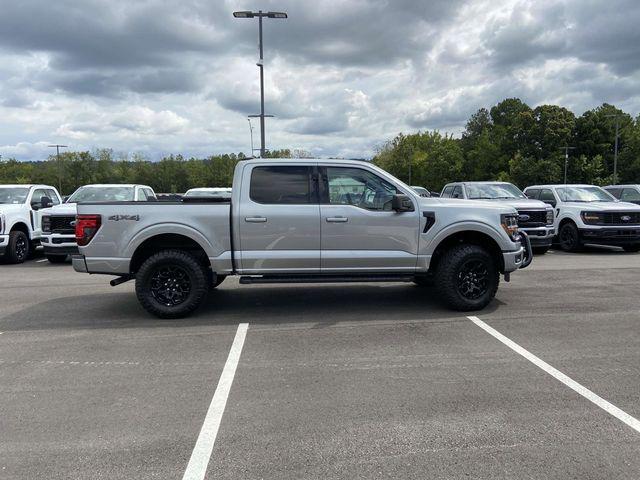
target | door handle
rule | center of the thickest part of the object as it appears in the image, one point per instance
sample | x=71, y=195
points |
x=255, y=219
x=337, y=219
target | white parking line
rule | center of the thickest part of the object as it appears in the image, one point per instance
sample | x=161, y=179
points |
x=197, y=467
x=558, y=375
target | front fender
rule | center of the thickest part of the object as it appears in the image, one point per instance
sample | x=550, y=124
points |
x=499, y=236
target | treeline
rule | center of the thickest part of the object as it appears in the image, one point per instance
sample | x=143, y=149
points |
x=514, y=142
x=169, y=175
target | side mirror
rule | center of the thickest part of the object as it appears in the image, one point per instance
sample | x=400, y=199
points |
x=401, y=203
x=551, y=202
x=46, y=202
x=455, y=195
x=435, y=194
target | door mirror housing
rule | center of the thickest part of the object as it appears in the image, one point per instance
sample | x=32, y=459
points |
x=551, y=202
x=46, y=202
x=401, y=203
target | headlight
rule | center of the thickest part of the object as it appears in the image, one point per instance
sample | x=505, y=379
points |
x=592, y=218
x=46, y=223
x=550, y=216
x=509, y=222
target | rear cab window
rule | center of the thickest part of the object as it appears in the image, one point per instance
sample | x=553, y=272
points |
x=282, y=185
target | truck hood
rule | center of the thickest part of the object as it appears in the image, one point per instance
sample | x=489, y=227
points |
x=9, y=208
x=604, y=206
x=62, y=209
x=490, y=205
x=520, y=203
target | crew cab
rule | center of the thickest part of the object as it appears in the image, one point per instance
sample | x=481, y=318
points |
x=588, y=214
x=58, y=232
x=625, y=193
x=20, y=207
x=302, y=220
x=534, y=217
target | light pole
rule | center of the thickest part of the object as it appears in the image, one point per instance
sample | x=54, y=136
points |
x=615, y=152
x=251, y=134
x=566, y=160
x=58, y=147
x=260, y=15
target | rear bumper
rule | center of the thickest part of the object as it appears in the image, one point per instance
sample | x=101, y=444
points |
x=78, y=263
x=540, y=236
x=610, y=236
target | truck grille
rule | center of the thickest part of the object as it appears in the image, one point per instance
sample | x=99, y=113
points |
x=61, y=224
x=537, y=218
x=621, y=218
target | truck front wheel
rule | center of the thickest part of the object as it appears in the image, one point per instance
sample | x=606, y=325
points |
x=18, y=248
x=171, y=284
x=467, y=277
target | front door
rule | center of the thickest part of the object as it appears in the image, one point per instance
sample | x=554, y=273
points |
x=279, y=220
x=360, y=231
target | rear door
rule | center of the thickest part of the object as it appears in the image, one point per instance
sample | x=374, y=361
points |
x=360, y=231
x=279, y=219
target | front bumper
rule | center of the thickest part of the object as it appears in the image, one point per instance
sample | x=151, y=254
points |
x=610, y=235
x=540, y=236
x=56, y=244
x=521, y=258
x=4, y=242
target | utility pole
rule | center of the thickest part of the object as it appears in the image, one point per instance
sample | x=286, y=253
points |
x=260, y=14
x=58, y=147
x=615, y=152
x=566, y=160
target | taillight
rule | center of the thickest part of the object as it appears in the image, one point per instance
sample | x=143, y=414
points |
x=86, y=228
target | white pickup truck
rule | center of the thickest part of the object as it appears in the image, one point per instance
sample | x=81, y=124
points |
x=302, y=220
x=58, y=233
x=20, y=207
x=587, y=214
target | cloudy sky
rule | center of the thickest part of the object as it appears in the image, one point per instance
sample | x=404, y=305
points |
x=342, y=76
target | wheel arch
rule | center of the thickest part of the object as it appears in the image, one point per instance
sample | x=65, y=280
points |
x=166, y=241
x=467, y=236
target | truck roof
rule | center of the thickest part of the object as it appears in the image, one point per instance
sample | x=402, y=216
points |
x=107, y=185
x=306, y=160
x=25, y=185
x=554, y=185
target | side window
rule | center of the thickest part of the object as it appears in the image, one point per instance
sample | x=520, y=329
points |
x=150, y=194
x=457, y=192
x=37, y=195
x=614, y=191
x=360, y=188
x=285, y=185
x=54, y=198
x=446, y=193
x=629, y=195
x=532, y=193
x=546, y=195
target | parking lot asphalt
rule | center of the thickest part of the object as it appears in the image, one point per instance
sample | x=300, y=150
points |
x=333, y=381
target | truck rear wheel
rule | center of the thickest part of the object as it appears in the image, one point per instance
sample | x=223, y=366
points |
x=171, y=284
x=467, y=277
x=18, y=248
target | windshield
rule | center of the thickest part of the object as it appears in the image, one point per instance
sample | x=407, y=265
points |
x=584, y=194
x=208, y=193
x=13, y=195
x=102, y=194
x=493, y=190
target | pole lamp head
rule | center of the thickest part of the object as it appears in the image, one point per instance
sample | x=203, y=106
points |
x=276, y=14
x=243, y=14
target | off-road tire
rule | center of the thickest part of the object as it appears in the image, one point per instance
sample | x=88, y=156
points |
x=449, y=269
x=540, y=250
x=177, y=259
x=631, y=248
x=56, y=258
x=18, y=247
x=569, y=238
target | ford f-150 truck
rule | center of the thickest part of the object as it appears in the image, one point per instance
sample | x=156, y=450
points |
x=20, y=207
x=58, y=232
x=302, y=220
x=534, y=217
x=588, y=214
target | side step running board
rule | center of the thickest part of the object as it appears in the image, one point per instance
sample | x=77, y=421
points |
x=248, y=279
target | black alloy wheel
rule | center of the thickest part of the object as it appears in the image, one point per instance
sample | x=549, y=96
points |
x=569, y=240
x=473, y=279
x=170, y=285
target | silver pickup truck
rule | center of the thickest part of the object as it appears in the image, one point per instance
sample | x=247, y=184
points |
x=302, y=220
